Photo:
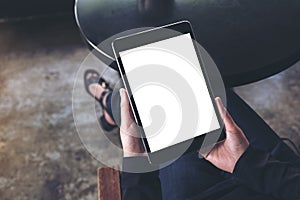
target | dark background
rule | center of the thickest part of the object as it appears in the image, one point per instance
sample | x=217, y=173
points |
x=21, y=8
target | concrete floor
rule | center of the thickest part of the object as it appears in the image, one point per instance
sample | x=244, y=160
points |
x=277, y=101
x=41, y=156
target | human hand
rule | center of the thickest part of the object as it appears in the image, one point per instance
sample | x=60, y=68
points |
x=225, y=154
x=130, y=138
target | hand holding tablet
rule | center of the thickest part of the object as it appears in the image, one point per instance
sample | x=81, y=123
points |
x=162, y=67
x=131, y=142
x=224, y=155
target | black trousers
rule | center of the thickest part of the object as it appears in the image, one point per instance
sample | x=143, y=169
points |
x=190, y=175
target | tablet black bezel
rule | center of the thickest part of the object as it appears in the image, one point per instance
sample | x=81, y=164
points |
x=148, y=37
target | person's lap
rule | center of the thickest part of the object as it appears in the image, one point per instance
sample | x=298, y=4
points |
x=190, y=175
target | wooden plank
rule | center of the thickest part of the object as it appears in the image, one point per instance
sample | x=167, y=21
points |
x=108, y=184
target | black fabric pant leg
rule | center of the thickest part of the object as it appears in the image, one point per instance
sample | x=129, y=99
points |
x=113, y=106
x=190, y=175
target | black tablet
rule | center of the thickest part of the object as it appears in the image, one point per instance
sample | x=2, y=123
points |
x=169, y=91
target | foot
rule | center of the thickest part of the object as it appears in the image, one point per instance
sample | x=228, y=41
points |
x=96, y=90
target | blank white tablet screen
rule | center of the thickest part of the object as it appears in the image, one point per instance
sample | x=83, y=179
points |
x=179, y=55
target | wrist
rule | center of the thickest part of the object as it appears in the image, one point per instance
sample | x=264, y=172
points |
x=128, y=153
x=133, y=149
x=132, y=154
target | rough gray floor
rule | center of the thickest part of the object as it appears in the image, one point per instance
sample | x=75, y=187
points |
x=277, y=101
x=41, y=156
